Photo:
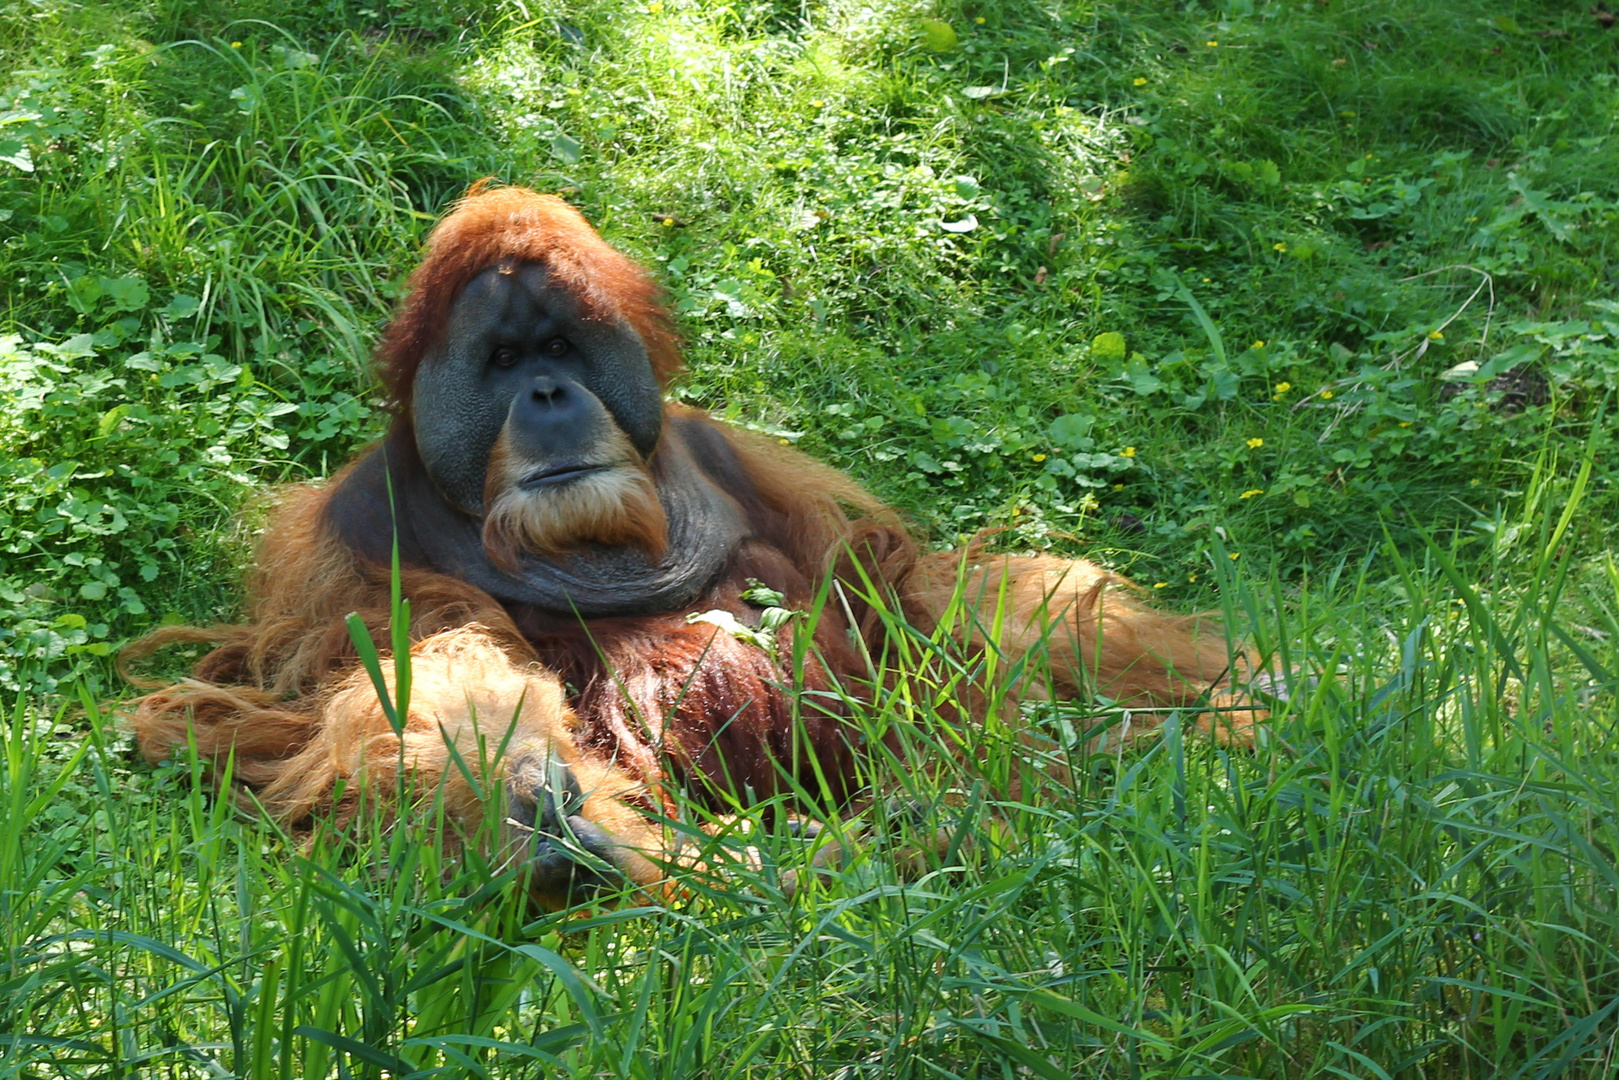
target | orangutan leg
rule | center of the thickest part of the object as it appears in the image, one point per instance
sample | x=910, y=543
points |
x=1093, y=633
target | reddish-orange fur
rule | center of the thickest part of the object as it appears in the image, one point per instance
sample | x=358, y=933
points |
x=506, y=227
x=657, y=699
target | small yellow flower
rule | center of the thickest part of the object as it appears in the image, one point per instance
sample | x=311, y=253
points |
x=784, y=442
x=979, y=20
x=1436, y=336
x=1037, y=457
x=236, y=44
x=1405, y=423
x=1140, y=81
x=1118, y=487
x=1326, y=395
x=1191, y=577
x=1160, y=584
x=668, y=222
x=1255, y=443
x=817, y=104
x=1235, y=555
x=1257, y=345
x=1283, y=387
x=1205, y=281
x=1212, y=44
x=1251, y=492
x=1129, y=451
x=1278, y=247
x=655, y=7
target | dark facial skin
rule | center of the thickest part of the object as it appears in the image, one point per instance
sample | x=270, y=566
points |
x=519, y=354
x=522, y=366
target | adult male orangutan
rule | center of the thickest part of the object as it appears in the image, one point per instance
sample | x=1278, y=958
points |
x=556, y=522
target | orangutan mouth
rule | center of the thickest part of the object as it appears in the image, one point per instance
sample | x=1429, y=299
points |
x=557, y=474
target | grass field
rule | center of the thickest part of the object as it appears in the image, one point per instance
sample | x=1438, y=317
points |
x=1301, y=312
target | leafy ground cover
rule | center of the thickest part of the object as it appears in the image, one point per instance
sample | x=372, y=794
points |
x=1302, y=312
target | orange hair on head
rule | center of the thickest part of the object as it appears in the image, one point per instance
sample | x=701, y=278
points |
x=489, y=226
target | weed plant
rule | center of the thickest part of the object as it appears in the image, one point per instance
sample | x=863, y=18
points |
x=1300, y=312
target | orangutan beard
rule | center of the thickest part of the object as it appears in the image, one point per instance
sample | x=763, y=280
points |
x=612, y=502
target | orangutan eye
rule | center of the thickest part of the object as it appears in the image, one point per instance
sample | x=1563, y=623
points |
x=555, y=347
x=504, y=358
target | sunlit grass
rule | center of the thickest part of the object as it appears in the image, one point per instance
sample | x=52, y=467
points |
x=1003, y=263
x=1410, y=870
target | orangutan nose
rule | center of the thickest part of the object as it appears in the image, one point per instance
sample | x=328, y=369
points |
x=566, y=859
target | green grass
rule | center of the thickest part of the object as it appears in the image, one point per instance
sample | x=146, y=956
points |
x=205, y=214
